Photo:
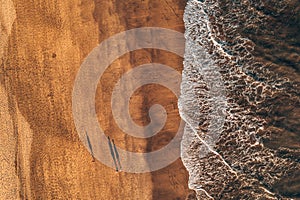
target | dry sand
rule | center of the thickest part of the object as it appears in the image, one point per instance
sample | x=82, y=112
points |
x=41, y=154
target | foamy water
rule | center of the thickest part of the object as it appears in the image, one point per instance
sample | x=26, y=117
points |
x=222, y=146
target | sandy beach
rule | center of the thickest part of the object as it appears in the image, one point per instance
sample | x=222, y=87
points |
x=41, y=154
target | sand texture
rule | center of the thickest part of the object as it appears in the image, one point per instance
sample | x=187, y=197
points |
x=43, y=43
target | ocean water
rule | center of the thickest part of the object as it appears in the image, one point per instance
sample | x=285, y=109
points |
x=240, y=99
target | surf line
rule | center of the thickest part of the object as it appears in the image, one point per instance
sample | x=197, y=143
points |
x=90, y=146
x=114, y=154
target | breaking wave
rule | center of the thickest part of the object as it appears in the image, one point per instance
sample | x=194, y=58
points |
x=225, y=95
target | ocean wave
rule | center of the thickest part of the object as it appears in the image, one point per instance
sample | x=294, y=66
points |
x=225, y=93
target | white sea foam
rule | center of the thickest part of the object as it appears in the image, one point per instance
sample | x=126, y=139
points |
x=221, y=146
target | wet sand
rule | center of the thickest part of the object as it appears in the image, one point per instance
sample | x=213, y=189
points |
x=48, y=42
